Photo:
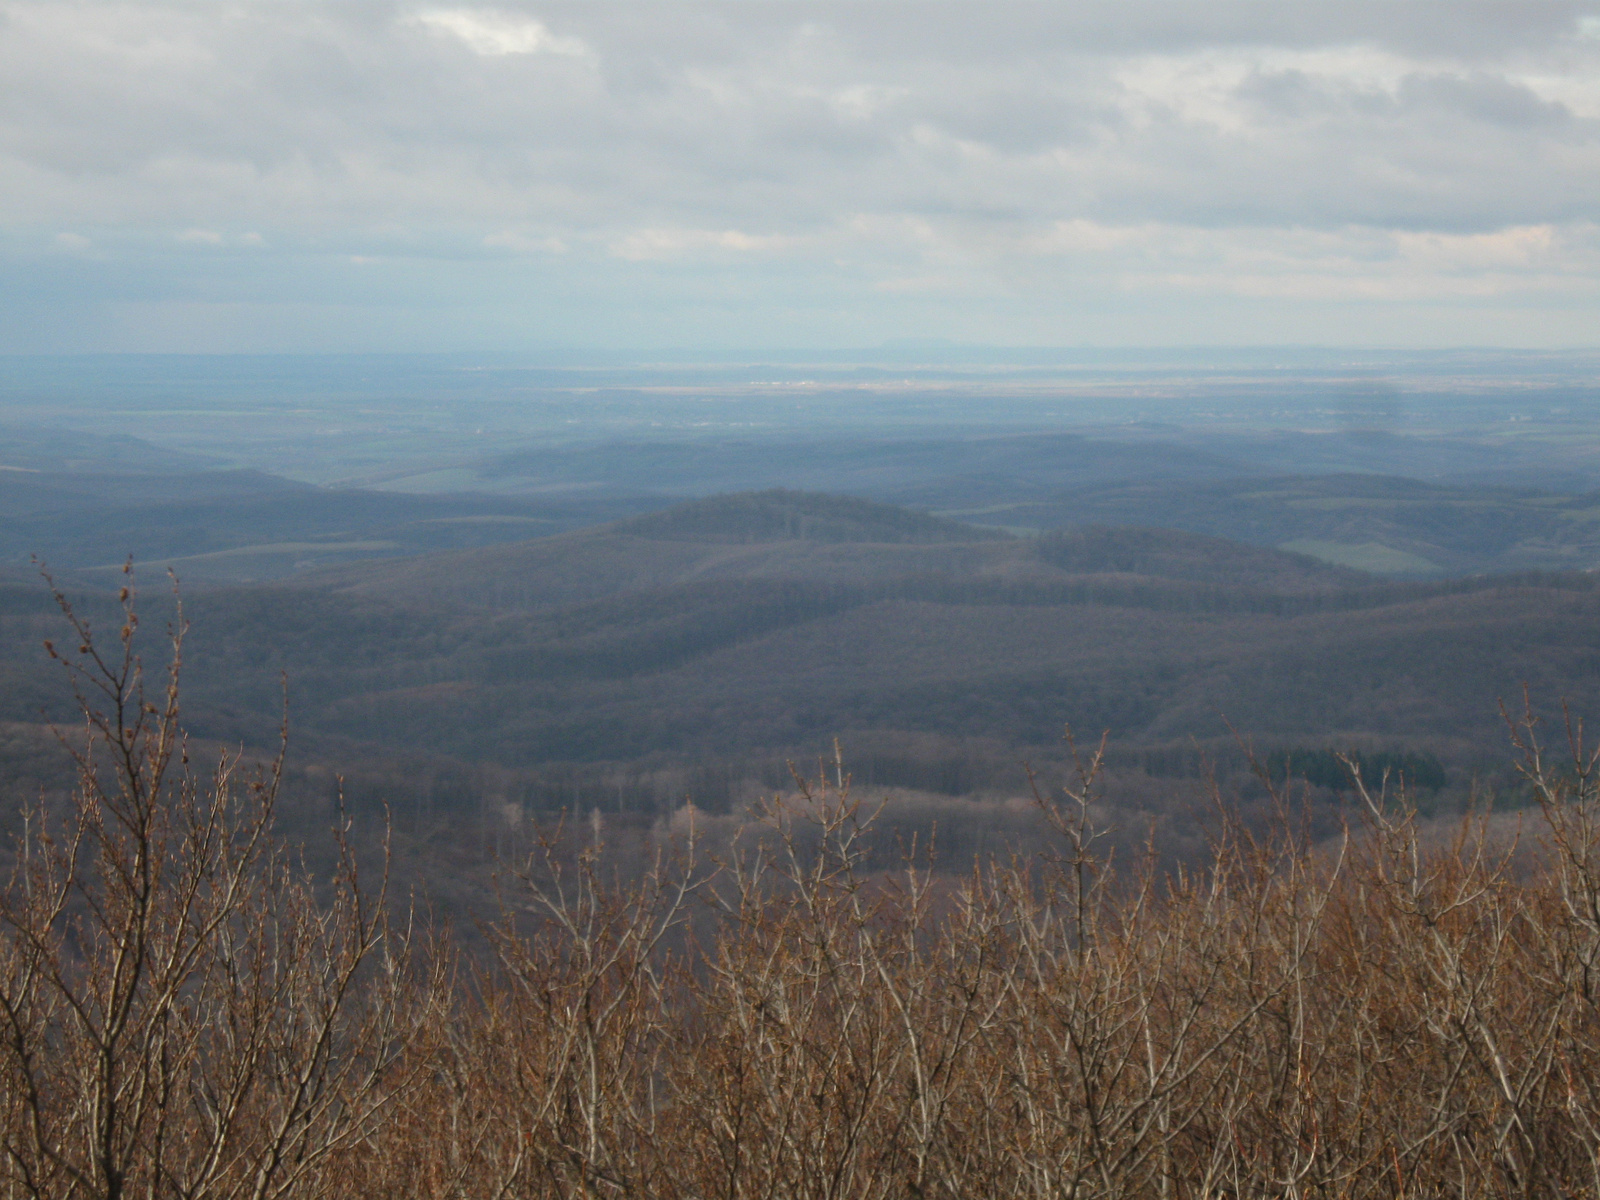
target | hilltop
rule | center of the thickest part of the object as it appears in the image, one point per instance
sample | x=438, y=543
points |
x=809, y=539
x=237, y=526
x=216, y=525
x=1384, y=524
x=782, y=515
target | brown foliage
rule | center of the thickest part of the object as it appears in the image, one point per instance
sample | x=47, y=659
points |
x=1378, y=1019
x=1383, y=1017
x=180, y=1013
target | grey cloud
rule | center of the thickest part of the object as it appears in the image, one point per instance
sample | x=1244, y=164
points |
x=1472, y=29
x=1483, y=97
x=913, y=142
x=688, y=102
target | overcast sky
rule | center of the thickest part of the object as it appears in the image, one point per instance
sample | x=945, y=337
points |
x=362, y=175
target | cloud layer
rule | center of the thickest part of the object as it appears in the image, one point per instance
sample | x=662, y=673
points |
x=299, y=174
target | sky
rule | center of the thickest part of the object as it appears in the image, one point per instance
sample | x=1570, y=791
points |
x=215, y=176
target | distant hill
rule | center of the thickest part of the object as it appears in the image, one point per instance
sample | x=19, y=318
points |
x=1387, y=525
x=801, y=537
x=780, y=515
x=723, y=637
x=36, y=448
x=924, y=471
x=607, y=646
x=1170, y=554
x=245, y=526
x=227, y=526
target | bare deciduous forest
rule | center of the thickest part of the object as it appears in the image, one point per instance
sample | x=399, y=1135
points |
x=191, y=1010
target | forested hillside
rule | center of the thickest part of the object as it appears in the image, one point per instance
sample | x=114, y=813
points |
x=692, y=653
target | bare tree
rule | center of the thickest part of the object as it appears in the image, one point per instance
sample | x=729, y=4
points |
x=1388, y=1015
x=181, y=1014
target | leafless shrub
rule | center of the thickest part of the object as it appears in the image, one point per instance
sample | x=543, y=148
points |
x=1377, y=1018
x=778, y=1015
x=179, y=1014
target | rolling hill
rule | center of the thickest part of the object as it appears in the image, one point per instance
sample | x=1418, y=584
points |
x=807, y=540
x=1387, y=525
x=696, y=652
x=244, y=526
x=716, y=631
x=725, y=636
